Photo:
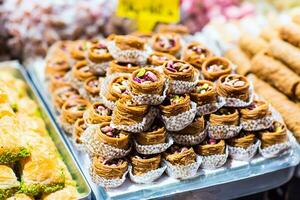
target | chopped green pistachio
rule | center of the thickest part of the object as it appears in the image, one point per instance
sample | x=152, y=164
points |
x=141, y=73
x=14, y=106
x=10, y=157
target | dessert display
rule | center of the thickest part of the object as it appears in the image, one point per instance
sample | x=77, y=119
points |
x=181, y=75
x=215, y=67
x=243, y=147
x=206, y=97
x=151, y=113
x=72, y=110
x=196, y=53
x=256, y=117
x=128, y=49
x=182, y=162
x=157, y=59
x=146, y=169
x=108, y=173
x=213, y=153
x=224, y=123
x=25, y=143
x=235, y=89
x=167, y=43
x=193, y=134
x=177, y=112
x=274, y=140
x=147, y=86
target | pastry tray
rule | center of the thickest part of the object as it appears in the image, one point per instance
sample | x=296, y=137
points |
x=259, y=174
x=83, y=187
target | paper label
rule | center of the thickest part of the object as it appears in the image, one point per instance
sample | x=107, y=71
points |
x=148, y=12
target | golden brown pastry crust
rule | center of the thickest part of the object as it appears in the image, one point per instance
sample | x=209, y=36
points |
x=116, y=67
x=151, y=137
x=173, y=48
x=260, y=110
x=79, y=128
x=79, y=49
x=176, y=156
x=147, y=88
x=113, y=94
x=225, y=116
x=172, y=28
x=141, y=165
x=186, y=75
x=221, y=62
x=290, y=33
x=158, y=58
x=168, y=110
x=73, y=109
x=210, y=96
x=95, y=56
x=92, y=86
x=196, y=54
x=197, y=126
x=275, y=135
x=61, y=95
x=121, y=142
x=236, y=91
x=127, y=112
x=211, y=149
x=94, y=117
x=81, y=70
x=58, y=80
x=129, y=42
x=240, y=59
x=275, y=73
x=243, y=140
x=251, y=44
x=114, y=171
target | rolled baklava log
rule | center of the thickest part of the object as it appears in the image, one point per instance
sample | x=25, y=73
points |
x=240, y=59
x=109, y=169
x=277, y=74
x=142, y=164
x=290, y=33
x=243, y=140
x=196, y=53
x=269, y=33
x=251, y=44
x=225, y=116
x=215, y=67
x=211, y=147
x=286, y=53
x=289, y=110
x=234, y=86
x=112, y=137
x=276, y=134
x=178, y=155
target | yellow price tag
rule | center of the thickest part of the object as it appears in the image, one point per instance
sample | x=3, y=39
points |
x=148, y=12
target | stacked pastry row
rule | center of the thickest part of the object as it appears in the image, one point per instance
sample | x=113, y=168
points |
x=273, y=57
x=154, y=112
x=30, y=165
